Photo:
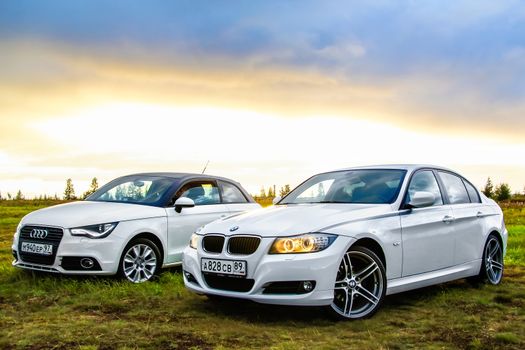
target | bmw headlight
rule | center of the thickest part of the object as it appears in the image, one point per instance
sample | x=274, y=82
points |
x=307, y=243
x=194, y=240
x=94, y=231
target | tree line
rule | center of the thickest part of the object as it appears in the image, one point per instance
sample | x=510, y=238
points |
x=271, y=193
x=69, y=193
x=501, y=192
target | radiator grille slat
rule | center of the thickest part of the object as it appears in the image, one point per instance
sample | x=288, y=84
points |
x=243, y=245
x=213, y=243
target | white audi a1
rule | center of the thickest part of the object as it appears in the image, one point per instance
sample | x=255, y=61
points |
x=346, y=239
x=133, y=226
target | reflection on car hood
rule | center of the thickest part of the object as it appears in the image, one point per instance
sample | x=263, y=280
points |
x=295, y=219
x=90, y=212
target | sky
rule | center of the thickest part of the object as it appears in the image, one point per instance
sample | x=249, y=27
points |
x=269, y=92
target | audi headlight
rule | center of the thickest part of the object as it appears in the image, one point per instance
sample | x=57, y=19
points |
x=307, y=243
x=194, y=240
x=94, y=231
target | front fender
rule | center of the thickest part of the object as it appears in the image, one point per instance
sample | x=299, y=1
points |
x=386, y=231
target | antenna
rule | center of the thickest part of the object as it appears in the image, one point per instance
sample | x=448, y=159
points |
x=203, y=170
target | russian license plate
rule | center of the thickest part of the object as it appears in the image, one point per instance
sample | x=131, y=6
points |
x=37, y=248
x=224, y=267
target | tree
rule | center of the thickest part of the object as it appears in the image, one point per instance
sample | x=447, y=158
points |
x=9, y=196
x=489, y=189
x=263, y=193
x=19, y=195
x=69, y=192
x=270, y=193
x=284, y=190
x=502, y=192
x=92, y=188
x=1, y=196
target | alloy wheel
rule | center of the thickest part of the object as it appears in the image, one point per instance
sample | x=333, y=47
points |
x=360, y=284
x=493, y=260
x=139, y=263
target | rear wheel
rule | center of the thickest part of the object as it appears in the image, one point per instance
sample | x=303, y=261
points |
x=140, y=260
x=360, y=285
x=492, y=264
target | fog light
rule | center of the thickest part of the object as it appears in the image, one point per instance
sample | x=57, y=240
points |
x=87, y=263
x=15, y=255
x=308, y=286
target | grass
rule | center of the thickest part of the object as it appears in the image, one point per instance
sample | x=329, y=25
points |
x=43, y=311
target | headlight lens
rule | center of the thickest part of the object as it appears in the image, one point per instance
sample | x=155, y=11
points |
x=307, y=243
x=194, y=240
x=94, y=231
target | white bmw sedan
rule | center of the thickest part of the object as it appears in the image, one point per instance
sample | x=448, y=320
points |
x=133, y=226
x=346, y=239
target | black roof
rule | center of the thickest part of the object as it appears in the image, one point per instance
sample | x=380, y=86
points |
x=182, y=176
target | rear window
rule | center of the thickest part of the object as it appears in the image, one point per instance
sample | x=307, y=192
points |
x=472, y=192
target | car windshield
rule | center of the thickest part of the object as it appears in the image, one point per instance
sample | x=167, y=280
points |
x=374, y=186
x=134, y=189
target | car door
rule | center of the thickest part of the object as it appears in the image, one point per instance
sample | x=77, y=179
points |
x=467, y=211
x=234, y=198
x=208, y=207
x=427, y=235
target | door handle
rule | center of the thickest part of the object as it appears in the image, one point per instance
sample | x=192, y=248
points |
x=480, y=214
x=448, y=219
x=224, y=215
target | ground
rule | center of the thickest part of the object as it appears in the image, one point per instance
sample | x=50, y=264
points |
x=43, y=311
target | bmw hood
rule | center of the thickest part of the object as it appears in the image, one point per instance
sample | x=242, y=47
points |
x=84, y=213
x=293, y=219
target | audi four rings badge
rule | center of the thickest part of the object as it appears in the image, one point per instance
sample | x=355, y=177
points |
x=38, y=233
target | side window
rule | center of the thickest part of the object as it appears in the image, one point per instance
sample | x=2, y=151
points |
x=472, y=193
x=201, y=192
x=457, y=193
x=231, y=194
x=425, y=180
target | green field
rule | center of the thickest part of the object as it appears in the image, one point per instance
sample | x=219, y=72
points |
x=42, y=311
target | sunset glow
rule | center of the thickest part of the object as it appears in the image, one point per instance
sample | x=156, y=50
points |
x=265, y=98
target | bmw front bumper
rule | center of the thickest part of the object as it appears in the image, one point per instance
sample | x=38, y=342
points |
x=264, y=269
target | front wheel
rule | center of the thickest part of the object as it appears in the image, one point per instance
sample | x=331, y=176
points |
x=140, y=260
x=360, y=285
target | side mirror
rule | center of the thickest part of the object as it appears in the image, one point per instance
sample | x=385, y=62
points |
x=183, y=202
x=421, y=199
x=276, y=200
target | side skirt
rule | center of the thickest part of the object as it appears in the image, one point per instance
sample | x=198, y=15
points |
x=403, y=284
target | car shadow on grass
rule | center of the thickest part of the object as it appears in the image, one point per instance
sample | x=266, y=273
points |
x=250, y=311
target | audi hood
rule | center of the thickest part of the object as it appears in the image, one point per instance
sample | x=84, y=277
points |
x=84, y=213
x=293, y=219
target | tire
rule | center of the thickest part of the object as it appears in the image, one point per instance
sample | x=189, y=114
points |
x=140, y=261
x=360, y=285
x=491, y=271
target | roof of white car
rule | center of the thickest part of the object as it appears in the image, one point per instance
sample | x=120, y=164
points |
x=182, y=175
x=408, y=167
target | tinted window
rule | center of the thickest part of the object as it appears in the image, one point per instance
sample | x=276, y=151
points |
x=201, y=192
x=472, y=193
x=231, y=194
x=457, y=193
x=351, y=186
x=425, y=181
